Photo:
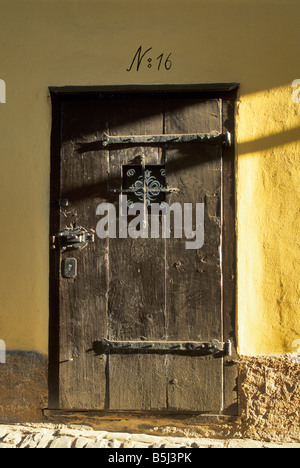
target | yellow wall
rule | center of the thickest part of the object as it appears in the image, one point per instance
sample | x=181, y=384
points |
x=91, y=42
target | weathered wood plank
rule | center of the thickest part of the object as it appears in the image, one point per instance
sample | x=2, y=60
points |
x=83, y=302
x=137, y=382
x=83, y=384
x=137, y=266
x=194, y=384
x=194, y=276
x=193, y=295
x=229, y=264
x=137, y=273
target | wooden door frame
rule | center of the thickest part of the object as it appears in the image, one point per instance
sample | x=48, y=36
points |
x=228, y=93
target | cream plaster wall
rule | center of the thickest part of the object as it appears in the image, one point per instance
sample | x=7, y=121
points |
x=92, y=42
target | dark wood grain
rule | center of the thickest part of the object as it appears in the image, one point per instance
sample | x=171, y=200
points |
x=83, y=300
x=194, y=276
x=229, y=263
x=137, y=266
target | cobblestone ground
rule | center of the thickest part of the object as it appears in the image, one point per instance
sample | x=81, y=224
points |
x=50, y=435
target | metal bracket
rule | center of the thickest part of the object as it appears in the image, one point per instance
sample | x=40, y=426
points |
x=191, y=347
x=212, y=137
x=73, y=238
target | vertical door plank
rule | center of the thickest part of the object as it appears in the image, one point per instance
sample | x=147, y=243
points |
x=137, y=266
x=137, y=382
x=229, y=264
x=193, y=294
x=83, y=315
x=136, y=299
x=194, y=384
x=194, y=276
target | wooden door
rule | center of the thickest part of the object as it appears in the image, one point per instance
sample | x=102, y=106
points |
x=129, y=291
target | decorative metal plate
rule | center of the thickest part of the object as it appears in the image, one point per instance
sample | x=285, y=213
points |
x=144, y=185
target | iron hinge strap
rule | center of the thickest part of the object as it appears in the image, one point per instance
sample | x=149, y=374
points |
x=193, y=347
x=155, y=191
x=212, y=137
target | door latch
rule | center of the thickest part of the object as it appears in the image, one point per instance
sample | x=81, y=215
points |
x=75, y=238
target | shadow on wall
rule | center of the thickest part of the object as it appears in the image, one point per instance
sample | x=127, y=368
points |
x=270, y=141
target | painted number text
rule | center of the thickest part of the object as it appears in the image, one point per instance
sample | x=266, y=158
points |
x=148, y=59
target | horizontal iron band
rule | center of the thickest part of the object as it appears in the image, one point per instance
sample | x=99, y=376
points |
x=212, y=137
x=207, y=347
x=145, y=190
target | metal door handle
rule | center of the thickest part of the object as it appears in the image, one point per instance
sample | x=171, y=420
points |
x=75, y=238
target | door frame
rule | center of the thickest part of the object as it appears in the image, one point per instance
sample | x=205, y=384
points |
x=228, y=93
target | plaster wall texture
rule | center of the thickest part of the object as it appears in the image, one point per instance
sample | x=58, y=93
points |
x=92, y=42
